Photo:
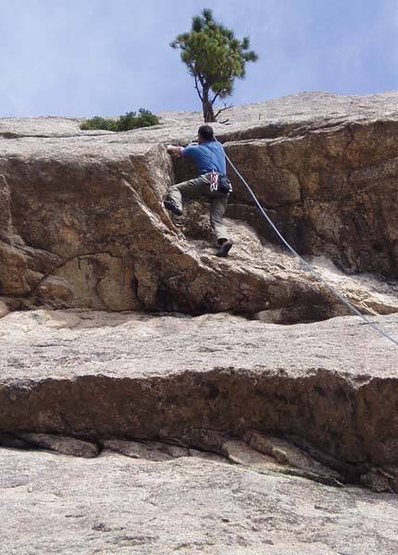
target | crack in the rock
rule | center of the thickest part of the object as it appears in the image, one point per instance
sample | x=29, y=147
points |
x=12, y=135
x=170, y=448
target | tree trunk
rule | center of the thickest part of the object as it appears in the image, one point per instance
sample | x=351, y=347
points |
x=208, y=112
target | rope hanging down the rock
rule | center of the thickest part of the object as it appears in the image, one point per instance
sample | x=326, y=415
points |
x=354, y=310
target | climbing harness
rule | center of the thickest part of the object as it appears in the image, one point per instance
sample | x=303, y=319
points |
x=220, y=183
x=214, y=181
x=308, y=266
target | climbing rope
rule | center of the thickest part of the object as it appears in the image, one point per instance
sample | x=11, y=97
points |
x=352, y=308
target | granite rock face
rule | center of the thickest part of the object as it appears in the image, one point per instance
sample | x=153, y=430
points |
x=211, y=434
x=126, y=432
x=329, y=387
x=189, y=506
x=82, y=222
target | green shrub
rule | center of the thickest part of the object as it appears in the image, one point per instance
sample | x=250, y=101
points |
x=99, y=123
x=131, y=120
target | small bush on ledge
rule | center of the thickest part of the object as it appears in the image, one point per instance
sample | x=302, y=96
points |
x=131, y=120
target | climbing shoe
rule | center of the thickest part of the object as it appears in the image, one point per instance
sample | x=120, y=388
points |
x=173, y=207
x=224, y=248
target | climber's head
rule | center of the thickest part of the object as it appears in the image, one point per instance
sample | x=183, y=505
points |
x=205, y=134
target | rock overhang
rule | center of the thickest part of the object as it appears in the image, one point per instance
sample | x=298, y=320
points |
x=85, y=374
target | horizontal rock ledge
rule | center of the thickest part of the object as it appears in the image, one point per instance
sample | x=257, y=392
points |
x=354, y=423
x=137, y=376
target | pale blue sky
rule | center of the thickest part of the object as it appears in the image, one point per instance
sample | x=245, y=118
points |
x=107, y=57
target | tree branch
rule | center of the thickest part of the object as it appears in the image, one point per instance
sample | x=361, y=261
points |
x=197, y=89
x=201, y=79
x=222, y=109
x=215, y=96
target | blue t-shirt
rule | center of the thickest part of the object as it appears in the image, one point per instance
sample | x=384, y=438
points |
x=208, y=157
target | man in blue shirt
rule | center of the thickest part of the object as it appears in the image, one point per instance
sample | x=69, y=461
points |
x=212, y=183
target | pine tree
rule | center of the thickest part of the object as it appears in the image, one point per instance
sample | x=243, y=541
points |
x=215, y=58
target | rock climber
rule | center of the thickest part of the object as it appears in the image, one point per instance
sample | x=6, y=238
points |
x=212, y=183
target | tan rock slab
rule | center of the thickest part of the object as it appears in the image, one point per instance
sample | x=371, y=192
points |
x=115, y=504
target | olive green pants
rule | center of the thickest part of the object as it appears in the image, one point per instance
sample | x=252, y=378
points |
x=200, y=187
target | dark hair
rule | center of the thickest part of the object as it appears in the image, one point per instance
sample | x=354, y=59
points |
x=206, y=132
